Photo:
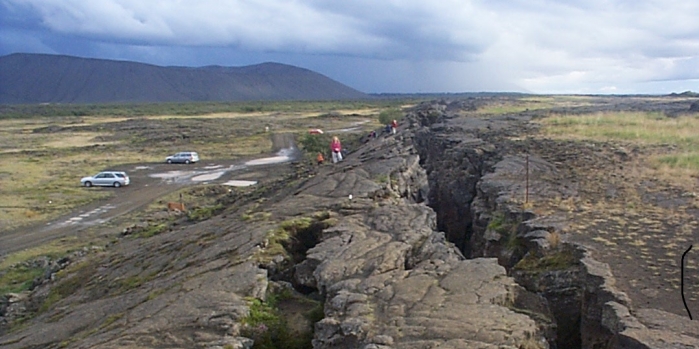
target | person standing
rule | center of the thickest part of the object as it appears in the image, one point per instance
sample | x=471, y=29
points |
x=336, y=148
x=394, y=126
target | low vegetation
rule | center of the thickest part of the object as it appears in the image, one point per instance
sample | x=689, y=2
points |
x=19, y=278
x=68, y=282
x=18, y=271
x=313, y=144
x=190, y=109
x=46, y=149
x=386, y=116
x=644, y=128
x=559, y=260
x=272, y=326
x=294, y=237
x=507, y=229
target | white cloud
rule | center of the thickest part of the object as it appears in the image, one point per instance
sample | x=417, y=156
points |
x=541, y=46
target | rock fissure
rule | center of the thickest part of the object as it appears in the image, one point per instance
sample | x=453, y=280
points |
x=468, y=203
x=375, y=247
x=476, y=186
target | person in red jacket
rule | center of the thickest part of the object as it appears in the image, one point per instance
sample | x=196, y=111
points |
x=336, y=148
x=394, y=126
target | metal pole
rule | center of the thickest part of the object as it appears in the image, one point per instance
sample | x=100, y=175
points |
x=682, y=282
x=526, y=187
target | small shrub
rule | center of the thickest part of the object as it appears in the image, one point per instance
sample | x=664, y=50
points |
x=264, y=325
x=388, y=115
x=153, y=230
x=557, y=261
x=204, y=213
x=255, y=216
x=313, y=144
x=554, y=239
x=19, y=278
x=498, y=223
x=29, y=213
x=269, y=328
x=508, y=230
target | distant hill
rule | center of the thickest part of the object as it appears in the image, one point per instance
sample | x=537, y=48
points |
x=41, y=78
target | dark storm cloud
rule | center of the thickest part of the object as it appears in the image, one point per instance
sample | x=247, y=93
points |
x=543, y=46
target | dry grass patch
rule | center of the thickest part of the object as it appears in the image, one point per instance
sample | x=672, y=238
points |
x=269, y=115
x=44, y=185
x=40, y=171
x=83, y=139
x=673, y=142
x=637, y=127
x=517, y=105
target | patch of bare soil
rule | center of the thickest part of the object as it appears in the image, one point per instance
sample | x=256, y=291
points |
x=636, y=221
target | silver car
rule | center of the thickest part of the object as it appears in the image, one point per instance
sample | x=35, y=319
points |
x=185, y=157
x=107, y=179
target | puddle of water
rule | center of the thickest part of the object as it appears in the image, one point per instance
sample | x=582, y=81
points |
x=212, y=167
x=235, y=167
x=171, y=174
x=267, y=161
x=141, y=168
x=283, y=155
x=343, y=130
x=239, y=183
x=208, y=176
x=355, y=127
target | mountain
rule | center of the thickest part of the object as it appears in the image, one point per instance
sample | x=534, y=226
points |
x=42, y=78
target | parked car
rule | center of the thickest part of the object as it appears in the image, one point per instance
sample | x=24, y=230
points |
x=107, y=179
x=185, y=157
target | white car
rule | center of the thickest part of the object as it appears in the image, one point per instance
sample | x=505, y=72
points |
x=185, y=157
x=107, y=179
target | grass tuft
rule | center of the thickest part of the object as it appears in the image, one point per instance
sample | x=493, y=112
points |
x=268, y=324
x=18, y=279
x=560, y=260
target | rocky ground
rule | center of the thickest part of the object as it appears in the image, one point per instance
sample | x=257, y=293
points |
x=597, y=195
x=386, y=243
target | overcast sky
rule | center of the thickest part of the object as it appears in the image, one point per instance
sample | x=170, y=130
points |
x=403, y=46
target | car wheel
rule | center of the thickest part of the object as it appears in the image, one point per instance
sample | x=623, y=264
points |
x=169, y=161
x=186, y=162
x=117, y=184
x=88, y=184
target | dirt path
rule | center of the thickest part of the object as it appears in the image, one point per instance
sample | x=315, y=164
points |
x=148, y=183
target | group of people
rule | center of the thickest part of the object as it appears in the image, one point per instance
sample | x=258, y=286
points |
x=336, y=145
x=391, y=128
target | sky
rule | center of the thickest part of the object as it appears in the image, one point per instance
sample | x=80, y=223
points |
x=387, y=46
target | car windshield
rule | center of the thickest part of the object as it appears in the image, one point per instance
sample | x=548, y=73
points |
x=120, y=175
